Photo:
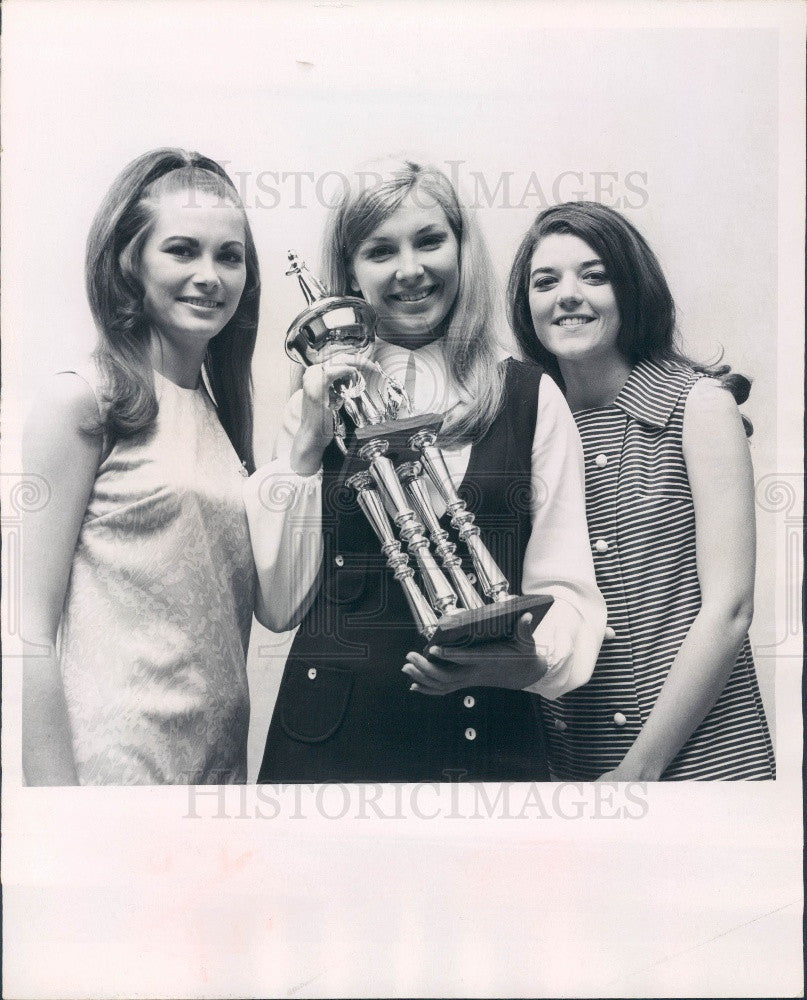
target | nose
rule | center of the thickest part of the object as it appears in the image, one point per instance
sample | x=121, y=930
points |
x=409, y=267
x=206, y=274
x=568, y=291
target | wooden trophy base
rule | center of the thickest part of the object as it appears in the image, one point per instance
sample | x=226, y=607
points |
x=491, y=623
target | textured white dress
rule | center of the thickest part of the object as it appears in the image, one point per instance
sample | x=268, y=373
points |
x=159, y=606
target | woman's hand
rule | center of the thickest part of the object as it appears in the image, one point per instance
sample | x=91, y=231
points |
x=627, y=771
x=319, y=401
x=515, y=664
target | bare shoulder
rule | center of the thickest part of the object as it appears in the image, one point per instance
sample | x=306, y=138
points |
x=709, y=404
x=64, y=402
x=61, y=429
x=714, y=438
x=71, y=395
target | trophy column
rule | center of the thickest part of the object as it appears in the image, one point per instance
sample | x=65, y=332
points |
x=373, y=507
x=440, y=592
x=491, y=579
x=411, y=475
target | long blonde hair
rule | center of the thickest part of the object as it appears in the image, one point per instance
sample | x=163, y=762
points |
x=469, y=343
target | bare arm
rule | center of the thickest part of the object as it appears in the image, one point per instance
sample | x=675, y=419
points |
x=721, y=479
x=66, y=458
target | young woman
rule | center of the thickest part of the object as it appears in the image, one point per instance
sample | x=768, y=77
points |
x=669, y=494
x=141, y=561
x=356, y=703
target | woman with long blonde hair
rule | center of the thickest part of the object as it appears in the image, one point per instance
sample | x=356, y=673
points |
x=356, y=703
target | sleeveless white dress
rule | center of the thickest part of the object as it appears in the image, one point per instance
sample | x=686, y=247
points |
x=159, y=606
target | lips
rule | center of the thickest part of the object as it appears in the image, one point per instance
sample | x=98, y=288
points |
x=577, y=319
x=417, y=295
x=201, y=303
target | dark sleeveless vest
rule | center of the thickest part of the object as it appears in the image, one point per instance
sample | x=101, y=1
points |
x=344, y=710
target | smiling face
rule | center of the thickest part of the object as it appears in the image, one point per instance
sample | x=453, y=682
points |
x=408, y=270
x=192, y=269
x=574, y=309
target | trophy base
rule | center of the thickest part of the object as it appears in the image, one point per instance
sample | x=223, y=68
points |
x=397, y=435
x=493, y=622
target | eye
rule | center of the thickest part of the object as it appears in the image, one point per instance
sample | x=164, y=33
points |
x=543, y=282
x=378, y=252
x=596, y=277
x=432, y=241
x=181, y=250
x=234, y=257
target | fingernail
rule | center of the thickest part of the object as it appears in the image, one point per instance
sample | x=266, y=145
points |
x=434, y=650
x=413, y=687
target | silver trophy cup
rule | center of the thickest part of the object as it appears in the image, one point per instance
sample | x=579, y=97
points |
x=388, y=459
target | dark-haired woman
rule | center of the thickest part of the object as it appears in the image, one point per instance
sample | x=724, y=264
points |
x=139, y=575
x=669, y=498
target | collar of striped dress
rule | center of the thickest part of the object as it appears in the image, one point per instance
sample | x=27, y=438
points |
x=652, y=390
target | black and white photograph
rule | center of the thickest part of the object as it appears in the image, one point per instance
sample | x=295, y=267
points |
x=402, y=485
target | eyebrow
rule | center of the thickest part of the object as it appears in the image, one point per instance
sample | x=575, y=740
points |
x=430, y=227
x=194, y=242
x=551, y=270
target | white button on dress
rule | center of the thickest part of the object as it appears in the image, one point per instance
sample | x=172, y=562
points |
x=469, y=701
x=560, y=725
x=312, y=673
x=619, y=719
x=609, y=632
x=601, y=461
x=470, y=734
x=601, y=545
x=339, y=560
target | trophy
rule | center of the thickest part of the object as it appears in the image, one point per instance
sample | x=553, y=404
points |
x=388, y=459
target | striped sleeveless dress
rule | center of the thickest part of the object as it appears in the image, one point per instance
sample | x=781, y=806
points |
x=642, y=528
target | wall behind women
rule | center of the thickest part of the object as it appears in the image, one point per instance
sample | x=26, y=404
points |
x=525, y=104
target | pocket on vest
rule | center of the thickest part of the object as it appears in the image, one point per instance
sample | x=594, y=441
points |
x=343, y=586
x=314, y=701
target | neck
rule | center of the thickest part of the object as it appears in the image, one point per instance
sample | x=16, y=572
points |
x=410, y=342
x=183, y=368
x=593, y=382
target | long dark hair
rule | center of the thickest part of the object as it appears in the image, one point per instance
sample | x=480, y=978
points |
x=647, y=330
x=115, y=291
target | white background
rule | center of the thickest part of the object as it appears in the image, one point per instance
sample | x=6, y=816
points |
x=698, y=109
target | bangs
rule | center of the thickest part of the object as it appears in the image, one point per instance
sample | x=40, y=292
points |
x=371, y=207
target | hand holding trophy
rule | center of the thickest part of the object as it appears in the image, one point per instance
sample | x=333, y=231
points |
x=387, y=460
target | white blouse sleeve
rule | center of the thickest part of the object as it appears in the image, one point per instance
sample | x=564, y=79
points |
x=558, y=558
x=284, y=511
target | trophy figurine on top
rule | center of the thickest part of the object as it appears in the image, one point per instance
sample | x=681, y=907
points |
x=387, y=458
